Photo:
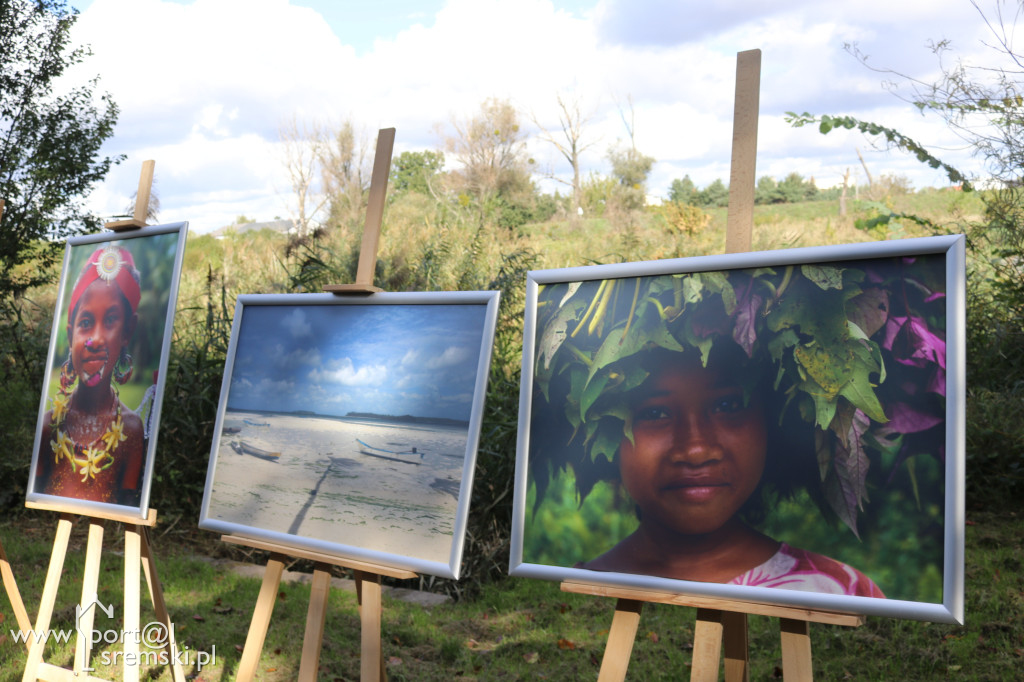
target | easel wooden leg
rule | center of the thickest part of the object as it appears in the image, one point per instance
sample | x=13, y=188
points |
x=737, y=655
x=368, y=591
x=316, y=616
x=46, y=602
x=620, y=640
x=7, y=577
x=89, y=602
x=712, y=628
x=132, y=602
x=707, y=645
x=796, y=650
x=261, y=618
x=156, y=594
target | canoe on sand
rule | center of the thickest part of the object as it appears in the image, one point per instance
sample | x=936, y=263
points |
x=243, y=448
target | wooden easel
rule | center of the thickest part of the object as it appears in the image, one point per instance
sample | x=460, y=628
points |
x=6, y=574
x=721, y=620
x=368, y=575
x=137, y=552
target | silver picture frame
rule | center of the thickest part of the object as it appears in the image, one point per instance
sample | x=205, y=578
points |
x=551, y=543
x=349, y=425
x=156, y=254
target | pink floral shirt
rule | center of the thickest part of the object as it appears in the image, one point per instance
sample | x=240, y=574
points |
x=796, y=569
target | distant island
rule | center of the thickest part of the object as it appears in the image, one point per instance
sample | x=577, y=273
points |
x=408, y=418
x=403, y=419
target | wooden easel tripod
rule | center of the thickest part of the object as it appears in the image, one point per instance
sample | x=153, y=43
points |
x=367, y=575
x=137, y=553
x=721, y=620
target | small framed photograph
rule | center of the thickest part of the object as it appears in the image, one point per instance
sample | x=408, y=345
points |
x=784, y=427
x=349, y=425
x=100, y=409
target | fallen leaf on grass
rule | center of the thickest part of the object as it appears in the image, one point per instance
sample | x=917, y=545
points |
x=394, y=660
x=238, y=648
x=531, y=657
x=653, y=636
x=222, y=609
x=198, y=618
x=566, y=644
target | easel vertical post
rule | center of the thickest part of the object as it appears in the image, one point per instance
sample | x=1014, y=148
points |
x=740, y=220
x=375, y=206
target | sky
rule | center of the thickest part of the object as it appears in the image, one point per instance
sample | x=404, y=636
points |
x=418, y=360
x=204, y=86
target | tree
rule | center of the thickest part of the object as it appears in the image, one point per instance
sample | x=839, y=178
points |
x=715, y=195
x=495, y=169
x=629, y=167
x=49, y=143
x=683, y=191
x=329, y=173
x=414, y=171
x=569, y=144
x=345, y=175
x=984, y=105
x=301, y=148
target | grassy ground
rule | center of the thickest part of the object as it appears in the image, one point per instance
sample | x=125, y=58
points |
x=518, y=629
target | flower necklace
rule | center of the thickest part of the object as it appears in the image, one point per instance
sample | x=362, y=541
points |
x=85, y=460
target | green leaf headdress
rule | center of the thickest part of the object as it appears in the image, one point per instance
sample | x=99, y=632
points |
x=854, y=351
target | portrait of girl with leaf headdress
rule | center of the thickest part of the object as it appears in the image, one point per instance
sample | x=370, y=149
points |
x=778, y=427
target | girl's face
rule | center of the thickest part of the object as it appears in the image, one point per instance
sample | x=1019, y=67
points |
x=100, y=329
x=698, y=451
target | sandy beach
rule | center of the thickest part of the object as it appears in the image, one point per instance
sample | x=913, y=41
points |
x=327, y=486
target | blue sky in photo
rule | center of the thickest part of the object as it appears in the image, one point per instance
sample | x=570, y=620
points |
x=418, y=360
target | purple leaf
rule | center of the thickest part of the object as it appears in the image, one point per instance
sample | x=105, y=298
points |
x=912, y=343
x=744, y=331
x=906, y=419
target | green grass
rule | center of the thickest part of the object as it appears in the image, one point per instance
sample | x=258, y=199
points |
x=520, y=629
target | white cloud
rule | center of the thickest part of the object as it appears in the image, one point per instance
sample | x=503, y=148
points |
x=452, y=356
x=345, y=372
x=296, y=324
x=203, y=86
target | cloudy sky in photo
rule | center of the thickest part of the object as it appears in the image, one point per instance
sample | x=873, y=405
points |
x=204, y=85
x=394, y=359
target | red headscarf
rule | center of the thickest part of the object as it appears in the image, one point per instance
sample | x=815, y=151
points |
x=111, y=264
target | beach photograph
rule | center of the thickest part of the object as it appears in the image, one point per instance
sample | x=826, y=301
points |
x=348, y=428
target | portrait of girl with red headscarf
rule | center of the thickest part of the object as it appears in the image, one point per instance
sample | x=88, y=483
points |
x=92, y=445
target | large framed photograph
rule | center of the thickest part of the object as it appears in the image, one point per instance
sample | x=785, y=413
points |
x=100, y=409
x=349, y=425
x=782, y=427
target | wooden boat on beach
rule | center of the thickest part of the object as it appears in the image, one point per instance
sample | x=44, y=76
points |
x=243, y=448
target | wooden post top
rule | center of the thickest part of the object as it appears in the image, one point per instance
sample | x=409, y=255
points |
x=138, y=218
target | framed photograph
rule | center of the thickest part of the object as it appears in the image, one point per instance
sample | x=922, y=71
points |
x=349, y=424
x=783, y=427
x=100, y=410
